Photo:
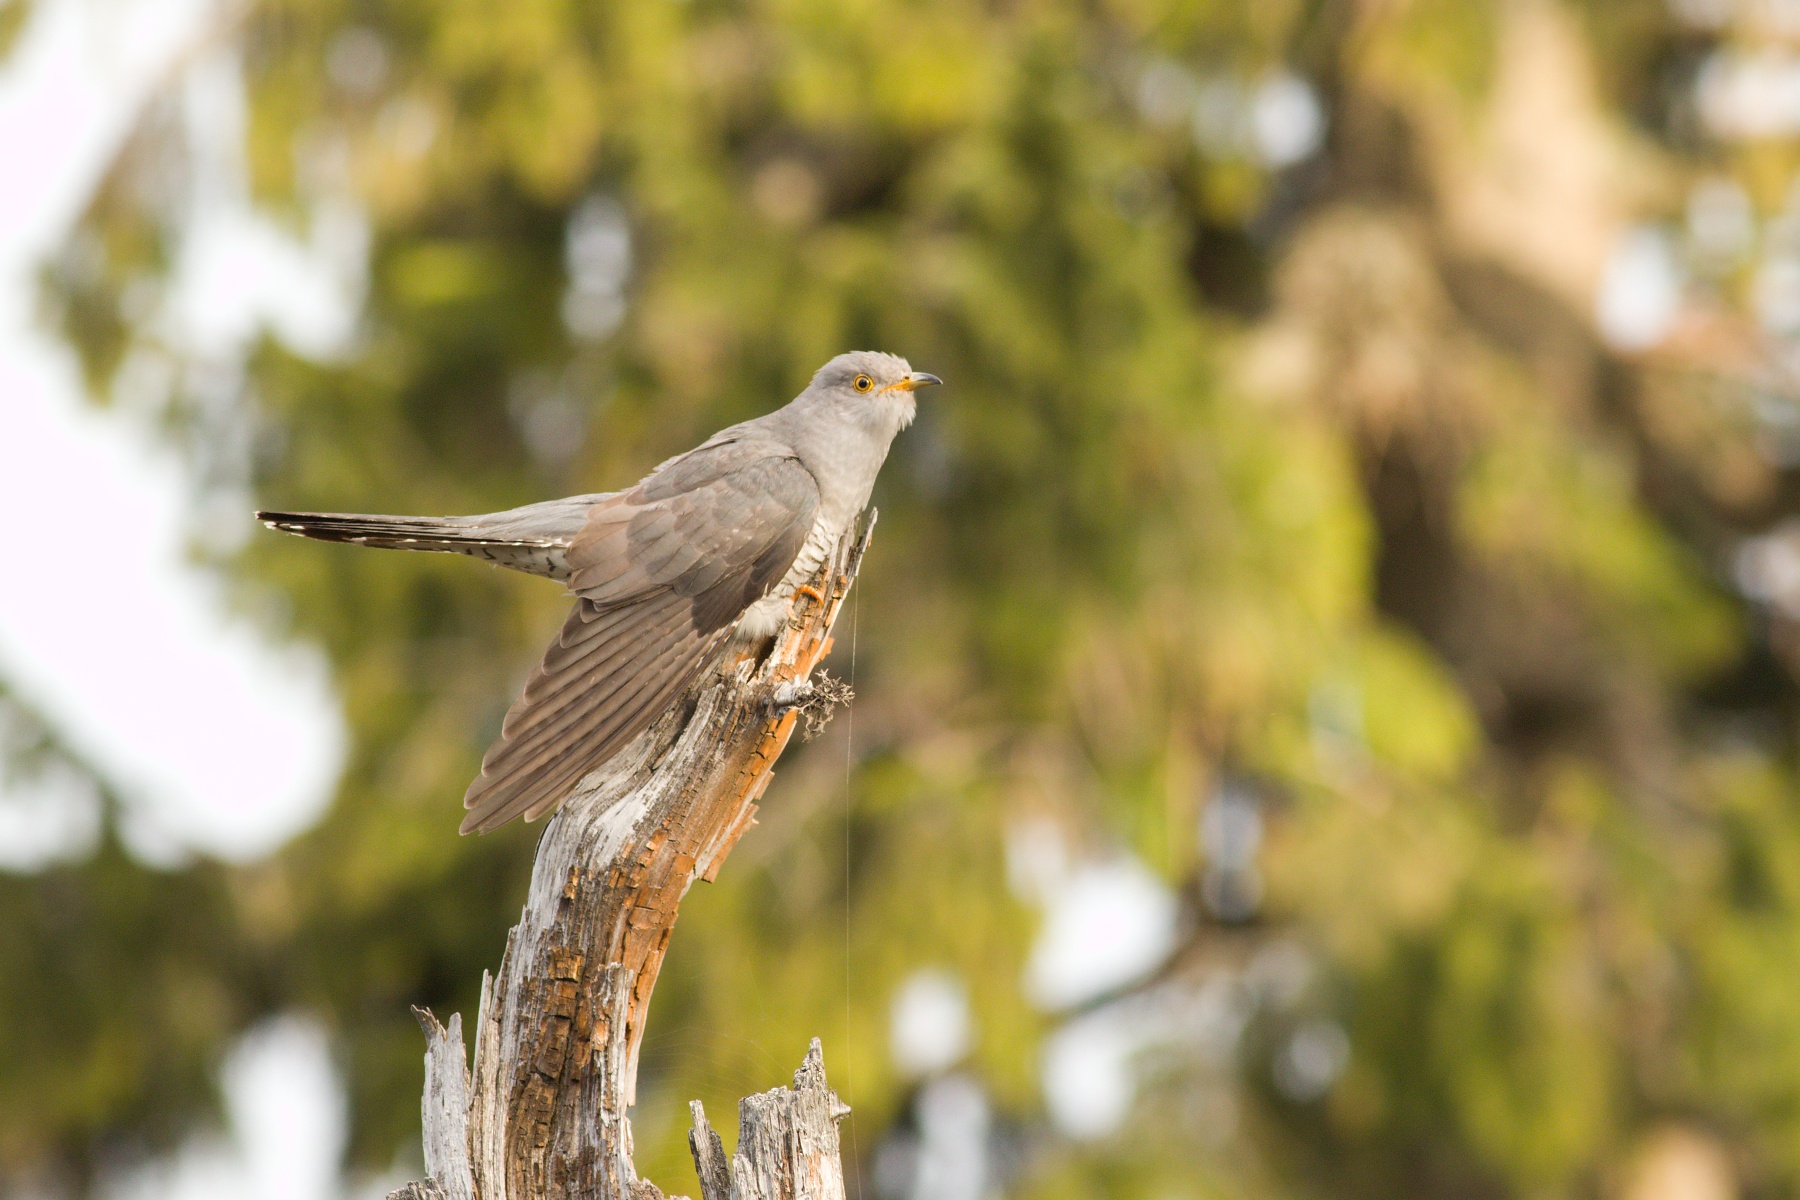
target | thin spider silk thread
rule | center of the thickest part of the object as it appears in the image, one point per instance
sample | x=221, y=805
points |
x=849, y=749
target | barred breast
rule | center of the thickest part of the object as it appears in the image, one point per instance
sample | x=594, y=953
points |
x=765, y=616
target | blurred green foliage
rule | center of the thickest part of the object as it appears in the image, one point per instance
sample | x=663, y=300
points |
x=1314, y=475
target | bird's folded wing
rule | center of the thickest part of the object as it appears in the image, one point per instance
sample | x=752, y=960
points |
x=663, y=572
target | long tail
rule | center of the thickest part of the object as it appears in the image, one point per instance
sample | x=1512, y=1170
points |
x=542, y=554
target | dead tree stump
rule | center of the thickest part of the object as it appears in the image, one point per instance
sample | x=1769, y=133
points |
x=541, y=1115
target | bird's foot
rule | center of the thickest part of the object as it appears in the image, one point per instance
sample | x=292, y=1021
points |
x=815, y=699
x=808, y=590
x=789, y=695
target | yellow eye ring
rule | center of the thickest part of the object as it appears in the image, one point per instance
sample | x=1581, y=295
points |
x=863, y=383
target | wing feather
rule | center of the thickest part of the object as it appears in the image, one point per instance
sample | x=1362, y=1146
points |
x=567, y=663
x=594, y=694
x=663, y=573
x=651, y=700
x=560, y=760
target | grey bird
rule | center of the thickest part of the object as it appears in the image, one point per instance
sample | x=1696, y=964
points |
x=707, y=551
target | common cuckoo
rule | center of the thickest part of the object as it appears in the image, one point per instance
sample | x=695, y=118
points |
x=707, y=550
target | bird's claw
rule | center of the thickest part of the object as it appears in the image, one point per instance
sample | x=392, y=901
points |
x=806, y=589
x=789, y=695
x=814, y=699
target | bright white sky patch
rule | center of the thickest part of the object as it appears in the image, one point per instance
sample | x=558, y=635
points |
x=285, y=1108
x=221, y=742
x=1111, y=924
x=49, y=810
x=1640, y=293
x=232, y=744
x=1088, y=1080
x=1749, y=96
x=929, y=1027
x=237, y=270
x=1287, y=122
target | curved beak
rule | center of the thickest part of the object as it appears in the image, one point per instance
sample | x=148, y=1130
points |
x=914, y=382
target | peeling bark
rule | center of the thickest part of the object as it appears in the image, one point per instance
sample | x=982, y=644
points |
x=541, y=1114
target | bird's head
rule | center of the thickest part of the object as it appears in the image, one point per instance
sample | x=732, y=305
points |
x=872, y=388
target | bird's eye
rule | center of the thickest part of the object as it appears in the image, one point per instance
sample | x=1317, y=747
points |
x=863, y=383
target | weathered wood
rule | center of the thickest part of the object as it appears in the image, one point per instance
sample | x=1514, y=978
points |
x=445, y=1107
x=709, y=1156
x=788, y=1140
x=423, y=1189
x=542, y=1113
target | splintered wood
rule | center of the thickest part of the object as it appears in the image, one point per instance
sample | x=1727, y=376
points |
x=787, y=1143
x=542, y=1112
